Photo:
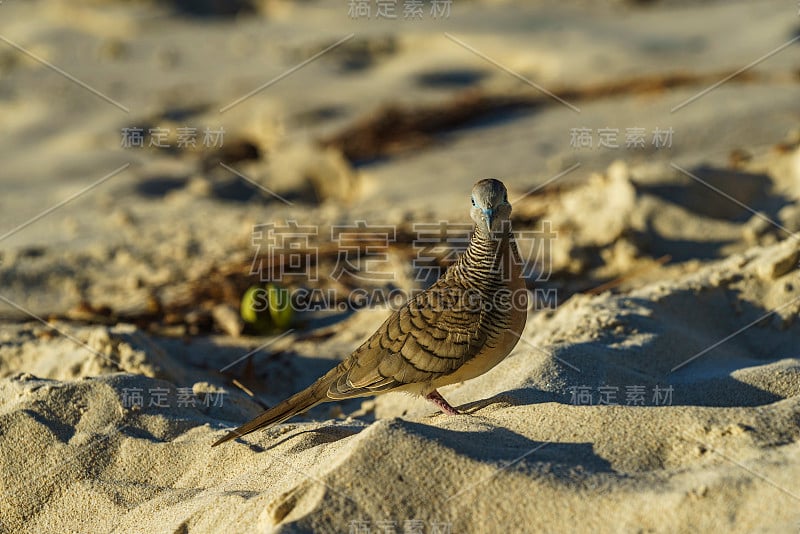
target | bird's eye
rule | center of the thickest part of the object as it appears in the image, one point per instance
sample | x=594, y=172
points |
x=473, y=201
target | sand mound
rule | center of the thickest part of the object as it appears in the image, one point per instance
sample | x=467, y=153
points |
x=627, y=404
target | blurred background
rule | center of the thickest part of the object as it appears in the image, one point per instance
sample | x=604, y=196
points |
x=143, y=142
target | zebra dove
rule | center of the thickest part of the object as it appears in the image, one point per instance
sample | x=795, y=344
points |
x=459, y=328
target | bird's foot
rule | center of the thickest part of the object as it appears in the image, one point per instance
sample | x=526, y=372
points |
x=439, y=401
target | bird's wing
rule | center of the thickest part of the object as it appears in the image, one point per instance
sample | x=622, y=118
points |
x=430, y=336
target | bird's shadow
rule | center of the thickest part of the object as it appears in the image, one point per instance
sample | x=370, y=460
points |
x=507, y=447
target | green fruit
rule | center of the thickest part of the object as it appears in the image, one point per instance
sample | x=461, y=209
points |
x=247, y=308
x=254, y=310
x=267, y=309
x=280, y=306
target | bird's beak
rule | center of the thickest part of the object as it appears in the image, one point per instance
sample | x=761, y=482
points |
x=489, y=215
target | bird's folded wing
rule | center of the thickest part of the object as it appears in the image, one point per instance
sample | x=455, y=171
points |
x=431, y=336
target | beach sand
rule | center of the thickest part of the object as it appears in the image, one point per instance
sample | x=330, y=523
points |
x=656, y=387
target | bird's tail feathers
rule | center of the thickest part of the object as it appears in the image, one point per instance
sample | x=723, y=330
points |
x=297, y=403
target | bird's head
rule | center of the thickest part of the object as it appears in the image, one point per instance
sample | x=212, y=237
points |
x=490, y=208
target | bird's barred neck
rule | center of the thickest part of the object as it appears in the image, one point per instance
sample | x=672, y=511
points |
x=484, y=246
x=487, y=259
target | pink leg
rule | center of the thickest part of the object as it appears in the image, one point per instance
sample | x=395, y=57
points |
x=443, y=405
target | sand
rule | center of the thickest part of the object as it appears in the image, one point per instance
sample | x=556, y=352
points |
x=657, y=384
